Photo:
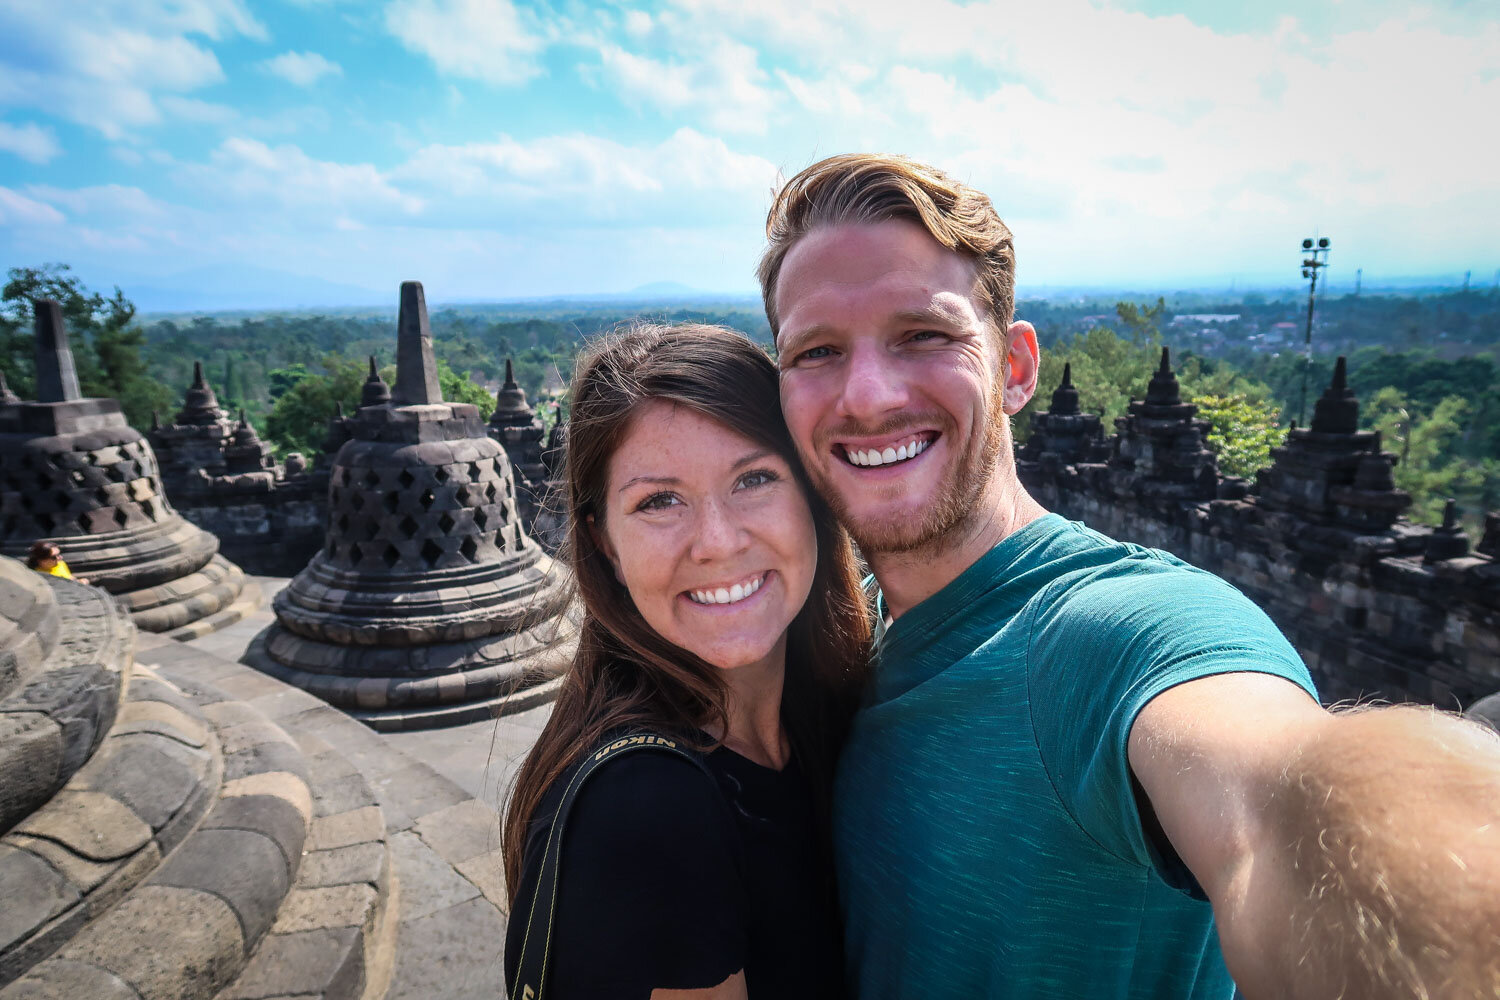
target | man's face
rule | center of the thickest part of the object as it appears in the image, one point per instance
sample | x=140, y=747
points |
x=894, y=383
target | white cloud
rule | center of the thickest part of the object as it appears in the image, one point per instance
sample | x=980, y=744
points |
x=105, y=64
x=116, y=202
x=18, y=210
x=482, y=39
x=31, y=142
x=190, y=109
x=575, y=180
x=249, y=171
x=304, y=69
x=722, y=83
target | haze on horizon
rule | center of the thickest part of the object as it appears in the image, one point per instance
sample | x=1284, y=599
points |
x=298, y=151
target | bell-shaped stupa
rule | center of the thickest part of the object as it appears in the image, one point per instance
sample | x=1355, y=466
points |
x=74, y=473
x=428, y=604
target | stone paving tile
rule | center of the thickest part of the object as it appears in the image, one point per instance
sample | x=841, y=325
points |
x=287, y=964
x=453, y=953
x=343, y=865
x=412, y=792
x=460, y=832
x=170, y=721
x=325, y=907
x=271, y=815
x=355, y=827
x=428, y=884
x=487, y=871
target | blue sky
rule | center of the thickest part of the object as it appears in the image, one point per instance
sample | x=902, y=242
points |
x=497, y=149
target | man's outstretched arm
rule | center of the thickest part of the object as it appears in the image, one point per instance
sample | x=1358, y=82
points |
x=1352, y=854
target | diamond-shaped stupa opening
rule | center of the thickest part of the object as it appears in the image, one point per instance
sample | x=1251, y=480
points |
x=406, y=479
x=408, y=527
x=392, y=502
x=446, y=523
x=391, y=556
x=469, y=548
x=431, y=552
x=426, y=500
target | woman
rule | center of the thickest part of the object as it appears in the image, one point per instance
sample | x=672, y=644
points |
x=46, y=557
x=722, y=610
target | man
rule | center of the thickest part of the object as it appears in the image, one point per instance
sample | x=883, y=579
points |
x=1085, y=768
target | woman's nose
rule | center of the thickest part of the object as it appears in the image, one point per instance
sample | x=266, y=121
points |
x=719, y=534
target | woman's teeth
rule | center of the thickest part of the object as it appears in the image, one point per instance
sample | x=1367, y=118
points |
x=738, y=592
x=875, y=457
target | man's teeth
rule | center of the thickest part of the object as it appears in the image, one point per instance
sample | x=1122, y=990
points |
x=738, y=592
x=876, y=457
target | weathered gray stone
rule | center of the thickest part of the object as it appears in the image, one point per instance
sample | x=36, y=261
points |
x=343, y=865
x=253, y=885
x=65, y=980
x=33, y=893
x=92, y=824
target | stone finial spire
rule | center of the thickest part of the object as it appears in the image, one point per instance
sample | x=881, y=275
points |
x=338, y=409
x=243, y=432
x=1164, y=390
x=199, y=404
x=1337, y=412
x=374, y=392
x=7, y=398
x=1065, y=397
x=56, y=377
x=416, y=366
x=511, y=398
x=156, y=420
x=1449, y=541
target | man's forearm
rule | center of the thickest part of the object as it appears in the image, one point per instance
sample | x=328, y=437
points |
x=1386, y=830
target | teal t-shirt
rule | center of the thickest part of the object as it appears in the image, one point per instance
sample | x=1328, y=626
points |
x=988, y=840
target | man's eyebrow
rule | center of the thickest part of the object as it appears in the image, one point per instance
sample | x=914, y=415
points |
x=795, y=341
x=929, y=314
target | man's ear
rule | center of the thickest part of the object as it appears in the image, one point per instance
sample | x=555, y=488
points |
x=602, y=542
x=1022, y=363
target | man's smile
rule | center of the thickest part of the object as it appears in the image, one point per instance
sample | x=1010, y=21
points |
x=890, y=451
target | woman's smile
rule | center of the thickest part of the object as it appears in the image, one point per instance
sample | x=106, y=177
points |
x=734, y=595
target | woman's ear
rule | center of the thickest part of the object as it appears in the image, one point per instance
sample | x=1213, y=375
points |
x=601, y=541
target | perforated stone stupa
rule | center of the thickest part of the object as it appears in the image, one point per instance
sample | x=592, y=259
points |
x=518, y=429
x=428, y=602
x=74, y=473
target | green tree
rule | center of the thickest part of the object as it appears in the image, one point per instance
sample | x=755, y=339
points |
x=106, y=344
x=1241, y=433
x=299, y=419
x=1426, y=466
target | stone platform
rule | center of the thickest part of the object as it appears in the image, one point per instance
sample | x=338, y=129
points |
x=222, y=834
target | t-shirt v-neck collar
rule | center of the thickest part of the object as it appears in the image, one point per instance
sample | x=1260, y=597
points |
x=912, y=648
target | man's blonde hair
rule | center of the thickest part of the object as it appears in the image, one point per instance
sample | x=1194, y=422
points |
x=872, y=187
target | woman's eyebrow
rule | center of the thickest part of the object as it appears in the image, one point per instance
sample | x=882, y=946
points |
x=754, y=456
x=658, y=480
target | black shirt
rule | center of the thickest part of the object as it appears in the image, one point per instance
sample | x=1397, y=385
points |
x=666, y=882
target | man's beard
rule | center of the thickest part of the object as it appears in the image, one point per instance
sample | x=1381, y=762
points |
x=942, y=524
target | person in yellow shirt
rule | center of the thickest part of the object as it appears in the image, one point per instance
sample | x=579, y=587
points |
x=46, y=557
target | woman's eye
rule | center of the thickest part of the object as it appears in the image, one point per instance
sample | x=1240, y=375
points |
x=657, y=501
x=758, y=477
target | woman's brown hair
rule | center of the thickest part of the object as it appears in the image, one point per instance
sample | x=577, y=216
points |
x=626, y=676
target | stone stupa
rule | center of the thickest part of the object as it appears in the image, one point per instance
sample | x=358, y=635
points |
x=428, y=604
x=74, y=473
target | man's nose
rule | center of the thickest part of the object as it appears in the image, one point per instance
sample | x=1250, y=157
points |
x=720, y=533
x=872, y=388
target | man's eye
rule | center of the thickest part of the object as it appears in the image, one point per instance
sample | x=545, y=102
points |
x=925, y=335
x=815, y=354
x=657, y=501
x=758, y=477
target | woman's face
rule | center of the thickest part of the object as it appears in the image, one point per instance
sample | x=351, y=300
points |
x=710, y=533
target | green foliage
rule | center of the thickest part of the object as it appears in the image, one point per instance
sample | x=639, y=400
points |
x=1241, y=433
x=1143, y=323
x=1423, y=442
x=106, y=346
x=299, y=419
